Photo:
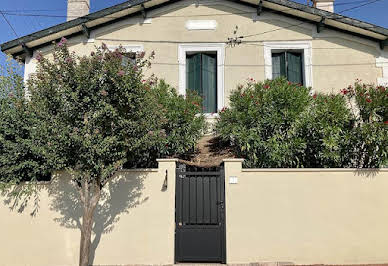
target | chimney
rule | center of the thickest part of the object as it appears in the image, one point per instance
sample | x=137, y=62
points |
x=77, y=8
x=327, y=5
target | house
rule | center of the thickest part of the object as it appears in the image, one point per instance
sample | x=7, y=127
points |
x=177, y=213
x=214, y=46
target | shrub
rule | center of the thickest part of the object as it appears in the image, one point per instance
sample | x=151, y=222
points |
x=259, y=119
x=183, y=124
x=370, y=134
x=324, y=133
x=277, y=124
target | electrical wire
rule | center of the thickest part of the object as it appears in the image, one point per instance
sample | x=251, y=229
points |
x=9, y=23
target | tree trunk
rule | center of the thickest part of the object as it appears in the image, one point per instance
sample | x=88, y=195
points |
x=87, y=224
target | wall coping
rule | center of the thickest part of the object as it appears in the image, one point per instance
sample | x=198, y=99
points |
x=315, y=170
x=233, y=160
x=167, y=160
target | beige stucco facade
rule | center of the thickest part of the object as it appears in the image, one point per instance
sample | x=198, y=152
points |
x=335, y=59
x=298, y=216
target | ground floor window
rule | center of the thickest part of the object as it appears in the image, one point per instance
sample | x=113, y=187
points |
x=288, y=64
x=201, y=69
x=290, y=59
x=201, y=76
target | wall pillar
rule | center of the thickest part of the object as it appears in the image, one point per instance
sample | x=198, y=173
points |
x=167, y=170
x=233, y=171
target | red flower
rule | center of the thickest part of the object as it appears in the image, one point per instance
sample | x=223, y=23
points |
x=315, y=96
x=344, y=91
x=368, y=100
x=266, y=86
x=121, y=73
x=243, y=95
x=386, y=122
x=251, y=96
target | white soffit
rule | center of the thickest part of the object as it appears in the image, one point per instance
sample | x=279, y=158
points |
x=201, y=24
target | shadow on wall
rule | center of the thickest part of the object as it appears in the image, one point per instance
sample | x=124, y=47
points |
x=120, y=195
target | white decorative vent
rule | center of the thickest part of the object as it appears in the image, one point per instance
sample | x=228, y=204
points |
x=201, y=24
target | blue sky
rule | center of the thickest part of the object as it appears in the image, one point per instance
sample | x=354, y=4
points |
x=23, y=23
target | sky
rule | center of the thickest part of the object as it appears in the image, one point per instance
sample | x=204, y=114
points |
x=28, y=16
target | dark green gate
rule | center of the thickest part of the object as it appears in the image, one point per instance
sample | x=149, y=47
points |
x=200, y=214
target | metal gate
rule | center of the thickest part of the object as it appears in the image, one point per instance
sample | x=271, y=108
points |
x=200, y=214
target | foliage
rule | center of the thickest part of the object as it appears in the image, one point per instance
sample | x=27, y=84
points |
x=259, y=120
x=278, y=124
x=21, y=155
x=181, y=125
x=324, y=133
x=370, y=135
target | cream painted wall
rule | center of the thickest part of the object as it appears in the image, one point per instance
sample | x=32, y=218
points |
x=304, y=216
x=337, y=58
x=135, y=224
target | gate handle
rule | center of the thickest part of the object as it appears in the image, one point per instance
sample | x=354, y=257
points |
x=220, y=202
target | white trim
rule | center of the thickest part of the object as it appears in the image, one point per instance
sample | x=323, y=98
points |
x=382, y=61
x=201, y=24
x=290, y=45
x=135, y=48
x=203, y=47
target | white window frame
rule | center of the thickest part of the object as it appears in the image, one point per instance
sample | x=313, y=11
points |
x=270, y=47
x=219, y=48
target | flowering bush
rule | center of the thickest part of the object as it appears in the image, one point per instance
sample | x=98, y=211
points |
x=278, y=124
x=259, y=120
x=180, y=126
x=370, y=134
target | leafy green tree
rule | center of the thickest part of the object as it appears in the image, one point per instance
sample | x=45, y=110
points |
x=94, y=115
x=21, y=156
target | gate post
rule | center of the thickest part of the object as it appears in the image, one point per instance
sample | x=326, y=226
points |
x=167, y=168
x=233, y=171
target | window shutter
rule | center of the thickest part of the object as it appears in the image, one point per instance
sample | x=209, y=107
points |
x=209, y=83
x=278, y=65
x=294, y=67
x=193, y=73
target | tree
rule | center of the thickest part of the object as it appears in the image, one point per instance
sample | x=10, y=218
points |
x=21, y=157
x=94, y=113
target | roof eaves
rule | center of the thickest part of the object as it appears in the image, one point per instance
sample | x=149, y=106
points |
x=72, y=23
x=333, y=16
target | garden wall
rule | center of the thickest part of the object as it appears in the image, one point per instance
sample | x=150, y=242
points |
x=306, y=216
x=300, y=216
x=134, y=224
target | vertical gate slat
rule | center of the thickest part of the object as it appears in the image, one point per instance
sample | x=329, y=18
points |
x=199, y=200
x=186, y=203
x=192, y=200
x=206, y=196
x=213, y=200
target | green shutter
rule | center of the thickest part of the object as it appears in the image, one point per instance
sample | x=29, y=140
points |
x=294, y=67
x=278, y=65
x=209, y=83
x=201, y=76
x=193, y=73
